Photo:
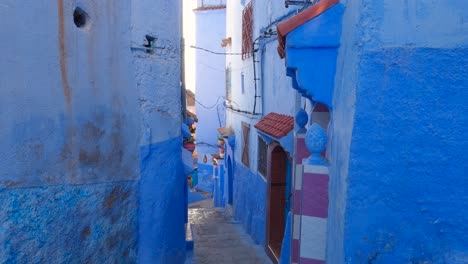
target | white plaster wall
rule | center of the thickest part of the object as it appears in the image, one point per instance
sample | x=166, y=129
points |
x=158, y=74
x=189, y=21
x=211, y=77
x=277, y=94
x=68, y=106
x=206, y=3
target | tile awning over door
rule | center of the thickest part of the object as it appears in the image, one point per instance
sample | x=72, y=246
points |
x=276, y=125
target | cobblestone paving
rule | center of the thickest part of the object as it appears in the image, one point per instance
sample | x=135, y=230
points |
x=219, y=240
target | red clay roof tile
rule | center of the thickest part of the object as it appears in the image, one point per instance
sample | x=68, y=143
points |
x=276, y=125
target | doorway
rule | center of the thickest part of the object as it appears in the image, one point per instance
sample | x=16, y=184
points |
x=276, y=201
x=230, y=181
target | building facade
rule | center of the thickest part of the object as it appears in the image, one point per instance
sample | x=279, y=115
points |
x=204, y=69
x=376, y=176
x=85, y=87
x=258, y=97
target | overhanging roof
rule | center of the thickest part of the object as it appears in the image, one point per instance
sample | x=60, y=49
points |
x=294, y=22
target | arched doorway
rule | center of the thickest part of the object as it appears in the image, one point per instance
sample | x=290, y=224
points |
x=276, y=200
x=230, y=181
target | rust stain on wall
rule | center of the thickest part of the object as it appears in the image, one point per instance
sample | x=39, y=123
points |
x=10, y=184
x=85, y=232
x=68, y=148
x=63, y=61
x=113, y=241
x=117, y=194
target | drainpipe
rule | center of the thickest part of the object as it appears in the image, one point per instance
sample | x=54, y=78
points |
x=262, y=73
x=262, y=48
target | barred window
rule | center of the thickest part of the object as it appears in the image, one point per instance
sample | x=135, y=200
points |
x=247, y=31
x=262, y=156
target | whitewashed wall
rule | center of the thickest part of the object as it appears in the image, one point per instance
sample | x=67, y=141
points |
x=274, y=87
x=210, y=77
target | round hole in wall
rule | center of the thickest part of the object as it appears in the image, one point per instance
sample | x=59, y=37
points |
x=80, y=17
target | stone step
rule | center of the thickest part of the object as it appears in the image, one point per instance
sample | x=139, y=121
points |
x=189, y=237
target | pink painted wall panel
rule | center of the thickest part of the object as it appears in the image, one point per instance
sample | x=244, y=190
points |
x=297, y=202
x=315, y=195
x=301, y=151
x=311, y=261
x=295, y=251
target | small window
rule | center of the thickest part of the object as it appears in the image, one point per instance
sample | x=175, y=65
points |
x=262, y=156
x=247, y=31
x=245, y=144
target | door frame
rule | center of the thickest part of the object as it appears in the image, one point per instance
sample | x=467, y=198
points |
x=230, y=181
x=271, y=147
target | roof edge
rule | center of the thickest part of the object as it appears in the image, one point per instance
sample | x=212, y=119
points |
x=214, y=7
x=296, y=21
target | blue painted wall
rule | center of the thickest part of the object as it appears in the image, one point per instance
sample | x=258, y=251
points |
x=83, y=152
x=95, y=223
x=249, y=205
x=410, y=184
x=161, y=203
x=398, y=193
x=205, y=176
x=162, y=198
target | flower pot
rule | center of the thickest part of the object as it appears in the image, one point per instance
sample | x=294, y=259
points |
x=190, y=146
x=221, y=152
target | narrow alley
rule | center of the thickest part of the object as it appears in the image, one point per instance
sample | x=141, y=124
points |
x=219, y=239
x=234, y=131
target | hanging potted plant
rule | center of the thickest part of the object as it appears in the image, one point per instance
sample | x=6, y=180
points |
x=189, y=144
x=220, y=141
x=221, y=146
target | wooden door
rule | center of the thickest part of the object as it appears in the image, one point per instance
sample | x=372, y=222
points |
x=276, y=201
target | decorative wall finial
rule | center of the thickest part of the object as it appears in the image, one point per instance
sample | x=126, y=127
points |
x=316, y=142
x=301, y=120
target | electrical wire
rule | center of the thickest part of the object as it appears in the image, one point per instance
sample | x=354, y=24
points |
x=204, y=106
x=207, y=144
x=217, y=103
x=214, y=52
x=222, y=70
x=249, y=116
